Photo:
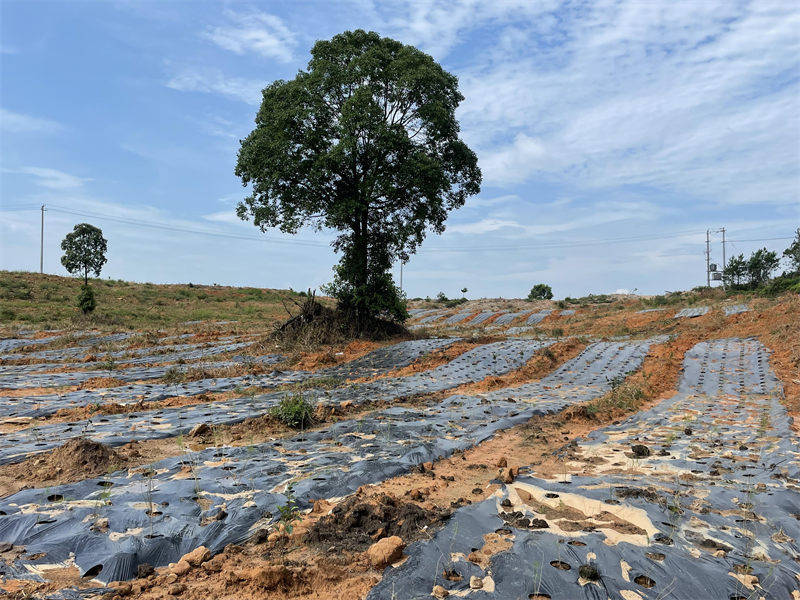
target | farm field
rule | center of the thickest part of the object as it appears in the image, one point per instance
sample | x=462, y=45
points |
x=626, y=447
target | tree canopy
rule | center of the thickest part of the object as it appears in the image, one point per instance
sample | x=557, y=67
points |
x=365, y=141
x=755, y=270
x=792, y=253
x=541, y=291
x=761, y=265
x=735, y=271
x=84, y=251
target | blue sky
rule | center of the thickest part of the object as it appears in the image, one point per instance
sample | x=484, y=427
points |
x=644, y=123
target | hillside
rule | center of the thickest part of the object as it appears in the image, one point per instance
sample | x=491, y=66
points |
x=48, y=302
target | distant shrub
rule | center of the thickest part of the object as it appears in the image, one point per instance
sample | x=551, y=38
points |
x=443, y=300
x=7, y=314
x=174, y=375
x=86, y=301
x=293, y=411
x=787, y=282
x=590, y=299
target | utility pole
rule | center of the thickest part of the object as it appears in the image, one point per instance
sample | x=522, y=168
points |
x=401, y=275
x=708, y=259
x=41, y=245
x=723, y=257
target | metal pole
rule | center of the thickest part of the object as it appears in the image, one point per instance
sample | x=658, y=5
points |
x=723, y=258
x=708, y=259
x=41, y=245
x=401, y=275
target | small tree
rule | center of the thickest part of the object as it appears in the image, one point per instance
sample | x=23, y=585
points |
x=84, y=251
x=735, y=271
x=541, y=291
x=761, y=265
x=792, y=253
x=86, y=301
x=364, y=142
x=464, y=291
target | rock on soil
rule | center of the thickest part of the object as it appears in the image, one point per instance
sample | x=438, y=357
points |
x=200, y=430
x=385, y=551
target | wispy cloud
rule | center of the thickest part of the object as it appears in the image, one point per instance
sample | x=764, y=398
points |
x=213, y=81
x=254, y=32
x=438, y=27
x=51, y=178
x=226, y=216
x=551, y=219
x=15, y=122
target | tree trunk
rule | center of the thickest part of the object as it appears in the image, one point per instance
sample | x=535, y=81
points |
x=361, y=266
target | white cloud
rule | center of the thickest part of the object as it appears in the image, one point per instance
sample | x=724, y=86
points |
x=51, y=178
x=516, y=162
x=481, y=202
x=692, y=98
x=20, y=123
x=256, y=32
x=213, y=81
x=438, y=27
x=226, y=216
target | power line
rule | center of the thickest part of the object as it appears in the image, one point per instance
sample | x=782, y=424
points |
x=18, y=207
x=568, y=244
x=309, y=243
x=791, y=237
x=173, y=228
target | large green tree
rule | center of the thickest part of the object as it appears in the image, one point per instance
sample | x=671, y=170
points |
x=84, y=251
x=365, y=141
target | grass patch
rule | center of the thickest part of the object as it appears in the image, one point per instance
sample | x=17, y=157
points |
x=293, y=411
x=624, y=397
x=174, y=375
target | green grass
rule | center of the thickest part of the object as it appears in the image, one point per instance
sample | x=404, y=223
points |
x=293, y=411
x=49, y=301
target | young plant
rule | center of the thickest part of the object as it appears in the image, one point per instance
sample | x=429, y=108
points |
x=290, y=512
x=294, y=411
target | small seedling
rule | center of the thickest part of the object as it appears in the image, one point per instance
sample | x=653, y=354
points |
x=290, y=512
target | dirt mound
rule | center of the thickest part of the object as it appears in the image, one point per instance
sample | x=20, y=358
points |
x=101, y=382
x=356, y=524
x=78, y=457
x=316, y=325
